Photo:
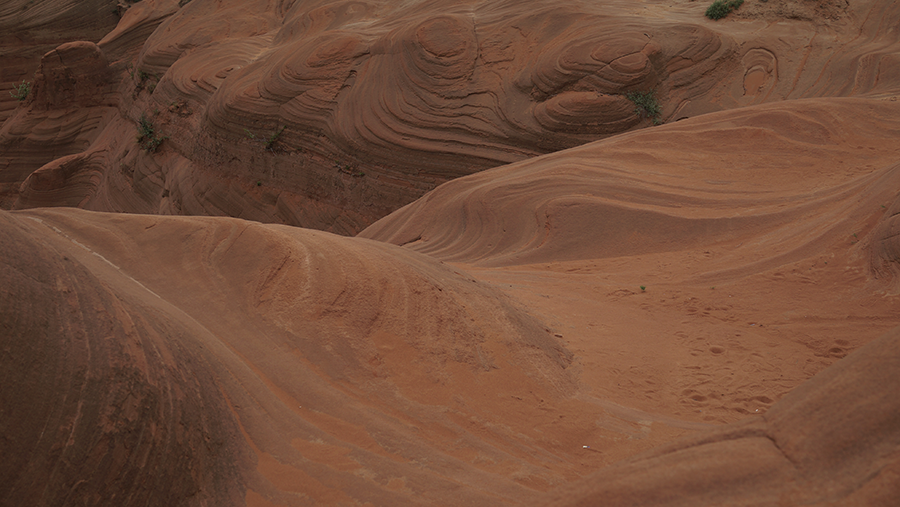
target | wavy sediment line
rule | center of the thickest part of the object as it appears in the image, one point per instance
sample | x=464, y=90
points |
x=444, y=92
x=374, y=104
x=641, y=193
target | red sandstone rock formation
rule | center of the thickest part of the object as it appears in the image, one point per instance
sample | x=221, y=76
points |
x=330, y=115
x=662, y=315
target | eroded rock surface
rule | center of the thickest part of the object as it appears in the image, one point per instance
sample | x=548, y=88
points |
x=698, y=313
x=332, y=115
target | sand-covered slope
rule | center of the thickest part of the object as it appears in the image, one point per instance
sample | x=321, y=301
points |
x=330, y=115
x=832, y=441
x=175, y=360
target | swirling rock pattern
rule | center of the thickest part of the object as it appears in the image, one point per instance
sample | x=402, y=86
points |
x=531, y=325
x=331, y=115
x=29, y=29
x=347, y=111
x=641, y=193
x=71, y=102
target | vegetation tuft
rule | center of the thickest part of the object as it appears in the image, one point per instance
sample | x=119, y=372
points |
x=268, y=142
x=350, y=169
x=144, y=80
x=645, y=105
x=20, y=91
x=721, y=8
x=147, y=136
x=272, y=139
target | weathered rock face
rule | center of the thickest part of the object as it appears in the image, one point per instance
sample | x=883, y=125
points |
x=74, y=74
x=73, y=96
x=885, y=245
x=94, y=380
x=331, y=115
x=358, y=122
x=71, y=100
x=29, y=29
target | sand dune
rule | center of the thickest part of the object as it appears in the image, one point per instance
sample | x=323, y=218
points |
x=550, y=301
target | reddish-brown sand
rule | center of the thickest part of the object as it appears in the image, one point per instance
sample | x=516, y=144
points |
x=549, y=300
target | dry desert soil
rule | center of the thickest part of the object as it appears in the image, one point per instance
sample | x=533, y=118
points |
x=419, y=252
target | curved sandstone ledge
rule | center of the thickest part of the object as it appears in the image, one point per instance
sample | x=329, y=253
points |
x=643, y=193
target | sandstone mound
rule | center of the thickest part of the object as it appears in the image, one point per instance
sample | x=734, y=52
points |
x=183, y=361
x=106, y=398
x=825, y=167
x=735, y=271
x=29, y=29
x=187, y=361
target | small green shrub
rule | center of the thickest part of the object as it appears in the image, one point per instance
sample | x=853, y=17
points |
x=145, y=80
x=147, y=136
x=645, y=105
x=272, y=139
x=21, y=91
x=721, y=8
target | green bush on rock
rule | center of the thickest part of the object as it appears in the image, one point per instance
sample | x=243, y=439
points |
x=721, y=8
